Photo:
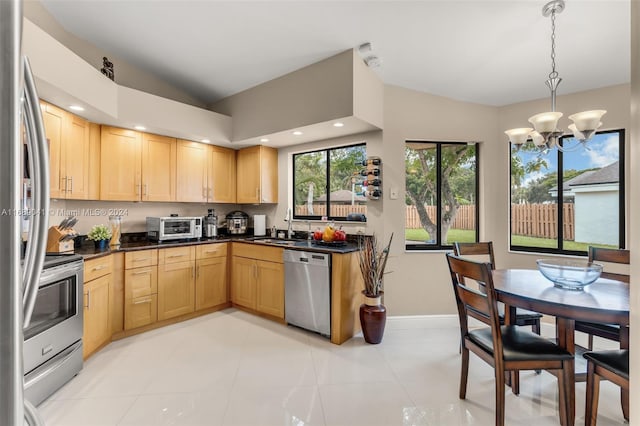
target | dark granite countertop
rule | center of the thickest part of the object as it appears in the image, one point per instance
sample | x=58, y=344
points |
x=88, y=251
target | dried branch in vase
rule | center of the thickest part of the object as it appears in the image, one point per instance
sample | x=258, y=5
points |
x=373, y=261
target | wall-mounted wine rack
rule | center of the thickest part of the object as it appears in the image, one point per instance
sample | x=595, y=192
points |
x=371, y=175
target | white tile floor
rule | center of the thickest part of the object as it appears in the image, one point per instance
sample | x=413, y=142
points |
x=232, y=368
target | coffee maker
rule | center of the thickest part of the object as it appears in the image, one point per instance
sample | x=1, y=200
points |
x=210, y=224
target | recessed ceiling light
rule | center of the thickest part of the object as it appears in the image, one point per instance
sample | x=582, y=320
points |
x=264, y=140
x=205, y=140
x=140, y=128
x=76, y=108
x=297, y=133
x=338, y=124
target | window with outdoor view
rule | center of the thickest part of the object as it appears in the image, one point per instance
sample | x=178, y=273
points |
x=441, y=203
x=326, y=184
x=564, y=202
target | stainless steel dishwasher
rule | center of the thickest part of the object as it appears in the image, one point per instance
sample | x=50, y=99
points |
x=308, y=290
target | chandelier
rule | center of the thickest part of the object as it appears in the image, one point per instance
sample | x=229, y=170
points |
x=545, y=132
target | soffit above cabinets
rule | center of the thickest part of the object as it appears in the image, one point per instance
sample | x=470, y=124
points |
x=64, y=79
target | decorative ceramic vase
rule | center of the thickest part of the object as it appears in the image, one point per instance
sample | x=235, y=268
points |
x=101, y=244
x=373, y=316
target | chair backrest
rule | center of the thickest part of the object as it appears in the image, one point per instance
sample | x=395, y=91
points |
x=471, y=302
x=475, y=249
x=619, y=256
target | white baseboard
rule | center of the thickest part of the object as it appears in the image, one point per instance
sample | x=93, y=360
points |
x=422, y=321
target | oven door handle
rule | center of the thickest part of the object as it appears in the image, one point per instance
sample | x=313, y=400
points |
x=39, y=163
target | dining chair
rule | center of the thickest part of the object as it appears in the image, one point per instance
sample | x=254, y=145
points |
x=606, y=331
x=610, y=365
x=523, y=317
x=507, y=348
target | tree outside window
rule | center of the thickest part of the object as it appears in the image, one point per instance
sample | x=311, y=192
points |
x=326, y=183
x=563, y=202
x=441, y=194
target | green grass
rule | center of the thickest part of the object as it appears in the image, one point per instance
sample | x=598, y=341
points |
x=463, y=235
x=519, y=240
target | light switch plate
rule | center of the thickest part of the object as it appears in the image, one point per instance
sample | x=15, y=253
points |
x=393, y=193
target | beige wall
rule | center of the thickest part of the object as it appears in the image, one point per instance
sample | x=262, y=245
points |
x=314, y=94
x=419, y=283
x=368, y=93
x=125, y=74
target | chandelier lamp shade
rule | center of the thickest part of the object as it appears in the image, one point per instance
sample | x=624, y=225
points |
x=545, y=132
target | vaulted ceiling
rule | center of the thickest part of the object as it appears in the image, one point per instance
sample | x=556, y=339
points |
x=488, y=52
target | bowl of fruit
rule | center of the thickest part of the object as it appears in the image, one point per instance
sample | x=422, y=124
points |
x=330, y=236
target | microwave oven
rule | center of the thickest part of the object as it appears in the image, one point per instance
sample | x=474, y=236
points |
x=173, y=228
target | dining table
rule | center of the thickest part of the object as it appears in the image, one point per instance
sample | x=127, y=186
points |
x=605, y=301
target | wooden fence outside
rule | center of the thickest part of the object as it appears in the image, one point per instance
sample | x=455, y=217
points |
x=465, y=217
x=541, y=220
x=531, y=220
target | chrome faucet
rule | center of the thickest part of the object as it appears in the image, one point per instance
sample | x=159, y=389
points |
x=289, y=220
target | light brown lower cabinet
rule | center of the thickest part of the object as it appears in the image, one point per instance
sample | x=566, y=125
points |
x=96, y=324
x=116, y=296
x=270, y=288
x=140, y=289
x=176, y=289
x=258, y=284
x=140, y=311
x=211, y=282
x=243, y=282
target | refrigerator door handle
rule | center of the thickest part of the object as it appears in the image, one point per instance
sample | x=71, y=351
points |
x=31, y=416
x=39, y=163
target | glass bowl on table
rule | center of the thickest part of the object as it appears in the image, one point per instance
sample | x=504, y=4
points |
x=568, y=273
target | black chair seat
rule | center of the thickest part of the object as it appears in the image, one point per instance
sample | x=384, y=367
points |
x=521, y=314
x=616, y=361
x=520, y=345
x=608, y=331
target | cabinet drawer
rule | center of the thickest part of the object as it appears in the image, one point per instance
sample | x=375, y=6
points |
x=176, y=254
x=255, y=251
x=137, y=259
x=207, y=251
x=140, y=311
x=140, y=282
x=99, y=267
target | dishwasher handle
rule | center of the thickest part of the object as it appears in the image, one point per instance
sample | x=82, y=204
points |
x=306, y=257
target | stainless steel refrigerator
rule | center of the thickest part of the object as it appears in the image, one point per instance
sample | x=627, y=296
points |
x=19, y=116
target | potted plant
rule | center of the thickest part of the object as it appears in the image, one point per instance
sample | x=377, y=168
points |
x=373, y=261
x=100, y=235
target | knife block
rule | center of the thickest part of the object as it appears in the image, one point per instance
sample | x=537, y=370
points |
x=54, y=245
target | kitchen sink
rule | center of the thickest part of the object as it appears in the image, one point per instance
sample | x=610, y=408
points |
x=277, y=241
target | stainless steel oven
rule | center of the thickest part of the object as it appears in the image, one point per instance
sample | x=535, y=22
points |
x=174, y=228
x=53, y=340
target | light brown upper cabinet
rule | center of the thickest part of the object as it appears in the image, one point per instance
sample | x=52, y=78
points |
x=257, y=178
x=221, y=178
x=136, y=166
x=192, y=171
x=68, y=137
x=120, y=164
x=159, y=154
x=206, y=173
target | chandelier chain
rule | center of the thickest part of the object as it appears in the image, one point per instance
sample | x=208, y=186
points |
x=554, y=73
